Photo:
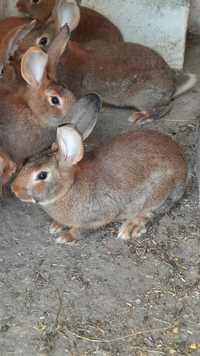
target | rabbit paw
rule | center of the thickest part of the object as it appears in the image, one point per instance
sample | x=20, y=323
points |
x=132, y=228
x=55, y=228
x=69, y=237
x=140, y=117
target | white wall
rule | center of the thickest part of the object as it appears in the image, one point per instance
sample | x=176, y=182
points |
x=7, y=7
x=160, y=24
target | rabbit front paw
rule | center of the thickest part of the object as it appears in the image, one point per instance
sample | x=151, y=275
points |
x=133, y=228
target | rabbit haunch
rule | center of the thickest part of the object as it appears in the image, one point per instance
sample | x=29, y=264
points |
x=137, y=175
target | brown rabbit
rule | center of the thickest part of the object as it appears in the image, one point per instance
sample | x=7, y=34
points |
x=92, y=24
x=123, y=74
x=137, y=175
x=32, y=110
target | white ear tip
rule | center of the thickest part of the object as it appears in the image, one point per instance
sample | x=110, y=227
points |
x=70, y=142
x=68, y=13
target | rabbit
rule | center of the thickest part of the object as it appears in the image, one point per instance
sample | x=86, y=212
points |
x=123, y=74
x=136, y=176
x=32, y=110
x=92, y=24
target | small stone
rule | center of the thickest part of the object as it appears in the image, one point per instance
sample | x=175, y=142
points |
x=138, y=301
x=194, y=347
x=175, y=330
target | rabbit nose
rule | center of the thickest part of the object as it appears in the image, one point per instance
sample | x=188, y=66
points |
x=95, y=99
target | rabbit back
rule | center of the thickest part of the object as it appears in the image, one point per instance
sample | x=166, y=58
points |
x=94, y=26
x=123, y=75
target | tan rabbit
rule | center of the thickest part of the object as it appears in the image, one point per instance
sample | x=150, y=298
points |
x=32, y=110
x=92, y=24
x=137, y=175
x=123, y=74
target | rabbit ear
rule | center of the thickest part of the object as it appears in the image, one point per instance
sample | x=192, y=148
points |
x=67, y=12
x=84, y=114
x=33, y=66
x=56, y=50
x=70, y=146
x=11, y=41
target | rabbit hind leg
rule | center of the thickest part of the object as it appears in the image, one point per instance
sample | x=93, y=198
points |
x=68, y=237
x=56, y=228
x=146, y=116
x=161, y=201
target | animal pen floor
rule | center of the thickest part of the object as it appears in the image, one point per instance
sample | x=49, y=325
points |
x=104, y=296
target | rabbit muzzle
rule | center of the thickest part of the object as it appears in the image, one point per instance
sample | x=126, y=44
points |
x=21, y=193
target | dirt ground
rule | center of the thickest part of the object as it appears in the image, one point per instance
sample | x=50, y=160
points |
x=103, y=296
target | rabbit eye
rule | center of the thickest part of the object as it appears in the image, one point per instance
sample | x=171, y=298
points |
x=54, y=100
x=44, y=41
x=42, y=175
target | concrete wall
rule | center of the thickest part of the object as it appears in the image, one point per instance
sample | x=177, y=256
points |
x=7, y=7
x=160, y=24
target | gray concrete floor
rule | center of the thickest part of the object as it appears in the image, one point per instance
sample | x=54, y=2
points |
x=103, y=296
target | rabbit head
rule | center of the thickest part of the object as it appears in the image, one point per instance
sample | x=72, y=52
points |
x=38, y=9
x=19, y=34
x=48, y=101
x=21, y=37
x=64, y=12
x=45, y=178
x=47, y=9
x=10, y=43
